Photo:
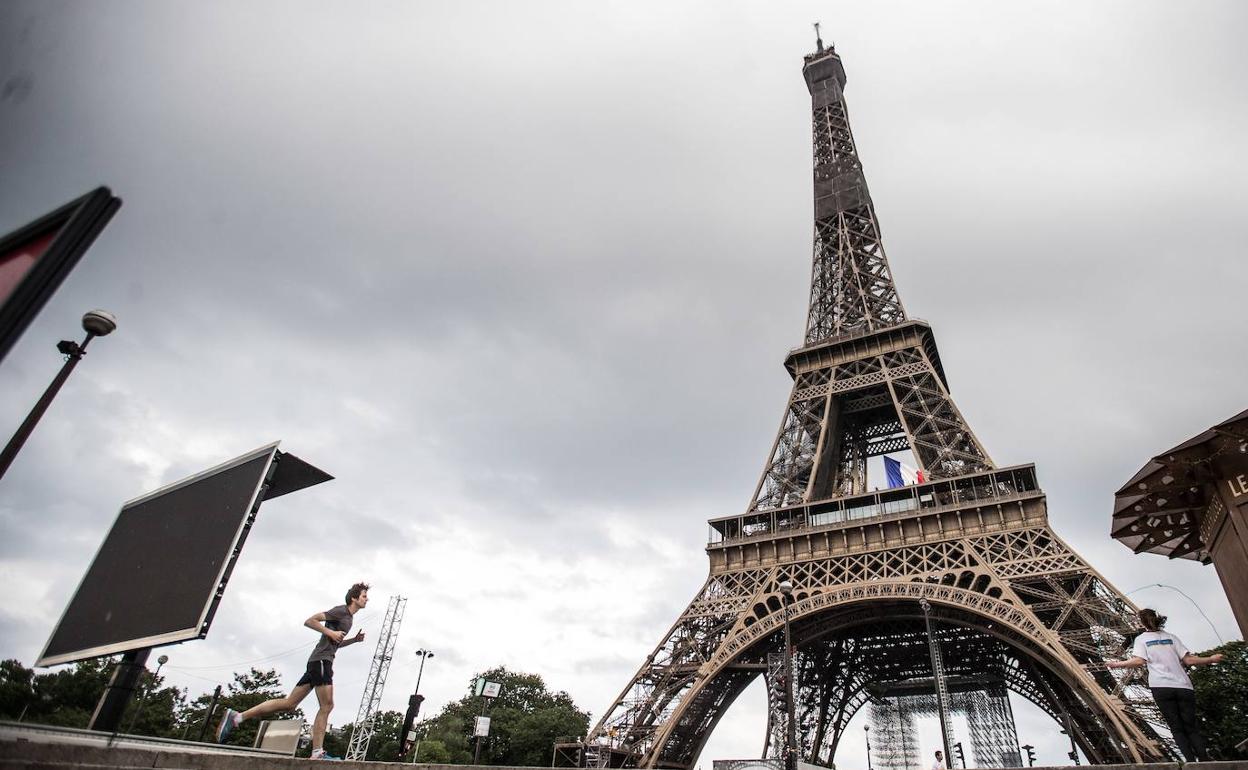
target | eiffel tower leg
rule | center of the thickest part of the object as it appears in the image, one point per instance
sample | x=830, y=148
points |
x=710, y=654
x=643, y=712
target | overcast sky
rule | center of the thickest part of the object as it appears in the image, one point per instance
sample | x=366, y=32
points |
x=522, y=276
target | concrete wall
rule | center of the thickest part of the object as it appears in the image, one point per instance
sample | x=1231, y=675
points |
x=33, y=755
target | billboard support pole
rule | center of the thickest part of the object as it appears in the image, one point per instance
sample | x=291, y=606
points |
x=112, y=705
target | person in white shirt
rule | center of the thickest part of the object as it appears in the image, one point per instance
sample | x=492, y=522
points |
x=1166, y=655
x=939, y=764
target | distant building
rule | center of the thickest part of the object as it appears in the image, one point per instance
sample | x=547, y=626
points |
x=1191, y=502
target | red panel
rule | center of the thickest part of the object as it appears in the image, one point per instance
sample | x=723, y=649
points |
x=15, y=264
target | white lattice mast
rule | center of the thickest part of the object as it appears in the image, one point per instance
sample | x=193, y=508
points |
x=362, y=730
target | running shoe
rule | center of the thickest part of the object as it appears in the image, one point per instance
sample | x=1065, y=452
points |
x=229, y=721
x=320, y=754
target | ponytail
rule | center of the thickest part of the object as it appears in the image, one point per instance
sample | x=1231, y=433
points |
x=1151, y=620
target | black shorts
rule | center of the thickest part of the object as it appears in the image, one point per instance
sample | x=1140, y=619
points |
x=319, y=672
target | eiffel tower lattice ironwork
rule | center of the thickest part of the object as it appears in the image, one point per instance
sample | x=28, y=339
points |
x=1009, y=596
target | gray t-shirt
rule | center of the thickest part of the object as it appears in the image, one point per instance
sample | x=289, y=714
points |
x=337, y=619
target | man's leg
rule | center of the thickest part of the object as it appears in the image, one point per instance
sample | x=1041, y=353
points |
x=289, y=703
x=231, y=718
x=325, y=699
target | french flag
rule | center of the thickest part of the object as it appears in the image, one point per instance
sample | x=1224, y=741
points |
x=899, y=474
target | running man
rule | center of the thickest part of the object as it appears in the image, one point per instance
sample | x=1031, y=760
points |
x=333, y=626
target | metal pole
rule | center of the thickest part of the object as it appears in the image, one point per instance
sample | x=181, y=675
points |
x=476, y=752
x=1070, y=733
x=938, y=680
x=790, y=730
x=413, y=709
x=73, y=354
x=866, y=730
x=203, y=731
x=420, y=672
x=901, y=730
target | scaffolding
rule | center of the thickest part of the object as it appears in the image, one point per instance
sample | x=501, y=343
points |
x=989, y=718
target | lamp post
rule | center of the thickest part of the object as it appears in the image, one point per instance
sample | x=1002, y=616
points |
x=866, y=732
x=423, y=654
x=790, y=728
x=162, y=660
x=96, y=323
x=938, y=680
x=413, y=709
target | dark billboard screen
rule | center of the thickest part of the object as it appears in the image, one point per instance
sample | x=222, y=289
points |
x=156, y=577
x=36, y=258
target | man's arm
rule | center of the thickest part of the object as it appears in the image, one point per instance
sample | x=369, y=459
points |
x=317, y=623
x=1197, y=660
x=1132, y=662
x=359, y=637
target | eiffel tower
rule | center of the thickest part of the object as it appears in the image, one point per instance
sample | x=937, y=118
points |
x=1012, y=605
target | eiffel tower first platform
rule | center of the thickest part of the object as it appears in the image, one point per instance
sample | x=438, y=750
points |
x=1012, y=606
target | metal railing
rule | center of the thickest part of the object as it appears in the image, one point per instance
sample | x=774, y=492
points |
x=998, y=485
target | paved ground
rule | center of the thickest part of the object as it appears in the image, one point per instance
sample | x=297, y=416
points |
x=24, y=747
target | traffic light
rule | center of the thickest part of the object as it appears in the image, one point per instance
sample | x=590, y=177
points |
x=957, y=749
x=1031, y=754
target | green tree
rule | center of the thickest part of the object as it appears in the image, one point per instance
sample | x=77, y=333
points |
x=154, y=709
x=525, y=720
x=69, y=696
x=1222, y=699
x=64, y=697
x=17, y=689
x=432, y=751
x=383, y=746
x=337, y=740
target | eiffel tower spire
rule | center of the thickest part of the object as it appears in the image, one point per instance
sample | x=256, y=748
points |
x=853, y=573
x=822, y=449
x=851, y=287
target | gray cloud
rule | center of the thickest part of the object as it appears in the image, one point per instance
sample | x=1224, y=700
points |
x=522, y=277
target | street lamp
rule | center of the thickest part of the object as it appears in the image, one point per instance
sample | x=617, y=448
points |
x=790, y=730
x=422, y=654
x=866, y=732
x=96, y=323
x=162, y=660
x=938, y=679
x=413, y=709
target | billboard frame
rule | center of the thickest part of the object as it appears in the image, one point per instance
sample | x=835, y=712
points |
x=76, y=224
x=200, y=630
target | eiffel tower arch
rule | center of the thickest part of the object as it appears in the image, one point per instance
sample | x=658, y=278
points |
x=1012, y=605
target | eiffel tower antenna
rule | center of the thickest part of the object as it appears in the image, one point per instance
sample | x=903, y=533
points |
x=1011, y=606
x=363, y=728
x=818, y=40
